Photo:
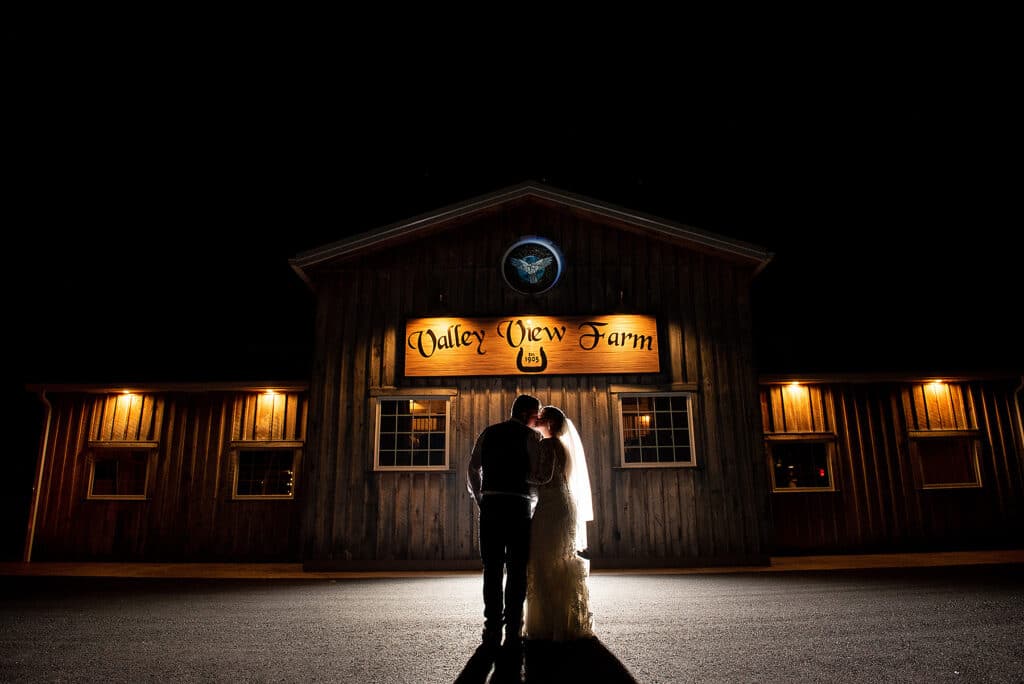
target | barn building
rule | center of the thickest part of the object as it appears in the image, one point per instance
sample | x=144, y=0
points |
x=640, y=329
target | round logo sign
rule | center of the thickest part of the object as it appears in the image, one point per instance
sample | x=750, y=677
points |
x=532, y=265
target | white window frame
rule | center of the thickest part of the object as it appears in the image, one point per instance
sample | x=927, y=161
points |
x=253, y=445
x=690, y=398
x=446, y=397
x=826, y=438
x=105, y=447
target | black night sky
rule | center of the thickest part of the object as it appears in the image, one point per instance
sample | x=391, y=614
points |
x=159, y=180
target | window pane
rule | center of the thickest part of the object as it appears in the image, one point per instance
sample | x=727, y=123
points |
x=120, y=472
x=947, y=461
x=132, y=474
x=682, y=454
x=417, y=430
x=426, y=424
x=644, y=404
x=800, y=464
x=265, y=472
x=639, y=424
x=663, y=437
x=104, y=480
x=657, y=424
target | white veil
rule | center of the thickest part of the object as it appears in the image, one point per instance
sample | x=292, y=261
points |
x=579, y=480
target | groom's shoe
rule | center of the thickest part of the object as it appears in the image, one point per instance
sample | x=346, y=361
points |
x=513, y=639
x=513, y=644
x=490, y=638
x=584, y=553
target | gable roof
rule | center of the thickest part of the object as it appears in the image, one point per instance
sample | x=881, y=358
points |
x=676, y=232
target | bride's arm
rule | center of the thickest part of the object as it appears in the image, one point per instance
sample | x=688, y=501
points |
x=544, y=468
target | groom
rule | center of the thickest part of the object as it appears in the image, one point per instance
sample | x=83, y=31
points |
x=505, y=452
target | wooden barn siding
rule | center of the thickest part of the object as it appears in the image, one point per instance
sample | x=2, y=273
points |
x=188, y=514
x=877, y=505
x=715, y=511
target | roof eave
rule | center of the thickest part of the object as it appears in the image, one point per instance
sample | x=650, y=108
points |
x=184, y=387
x=673, y=231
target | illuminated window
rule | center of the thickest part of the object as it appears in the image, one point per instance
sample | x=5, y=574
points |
x=946, y=461
x=265, y=473
x=801, y=464
x=657, y=430
x=119, y=473
x=412, y=433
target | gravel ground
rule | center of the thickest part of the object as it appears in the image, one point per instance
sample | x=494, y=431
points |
x=910, y=625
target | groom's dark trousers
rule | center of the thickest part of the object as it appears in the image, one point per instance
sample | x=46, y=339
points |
x=504, y=542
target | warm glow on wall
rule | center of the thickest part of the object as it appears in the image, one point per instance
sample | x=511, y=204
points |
x=798, y=407
x=271, y=402
x=936, y=388
x=126, y=401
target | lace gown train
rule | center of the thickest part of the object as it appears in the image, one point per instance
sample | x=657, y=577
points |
x=557, y=597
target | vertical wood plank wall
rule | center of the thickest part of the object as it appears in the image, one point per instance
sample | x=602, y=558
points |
x=717, y=512
x=877, y=505
x=188, y=513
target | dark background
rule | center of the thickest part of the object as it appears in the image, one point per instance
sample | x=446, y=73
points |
x=160, y=174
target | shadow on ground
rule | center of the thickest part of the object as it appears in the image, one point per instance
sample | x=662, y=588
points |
x=543, y=662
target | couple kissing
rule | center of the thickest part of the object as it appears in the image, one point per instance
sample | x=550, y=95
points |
x=530, y=480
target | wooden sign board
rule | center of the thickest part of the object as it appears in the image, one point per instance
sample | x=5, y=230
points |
x=527, y=345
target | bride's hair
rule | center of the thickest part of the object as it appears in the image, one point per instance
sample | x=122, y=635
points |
x=557, y=419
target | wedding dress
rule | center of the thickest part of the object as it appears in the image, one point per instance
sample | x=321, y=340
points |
x=557, y=597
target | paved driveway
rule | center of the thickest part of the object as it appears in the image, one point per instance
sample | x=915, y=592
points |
x=912, y=625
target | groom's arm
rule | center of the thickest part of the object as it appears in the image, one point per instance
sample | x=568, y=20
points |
x=473, y=478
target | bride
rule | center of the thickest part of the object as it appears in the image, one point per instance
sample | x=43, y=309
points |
x=557, y=597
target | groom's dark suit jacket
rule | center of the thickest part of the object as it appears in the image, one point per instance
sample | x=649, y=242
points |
x=505, y=453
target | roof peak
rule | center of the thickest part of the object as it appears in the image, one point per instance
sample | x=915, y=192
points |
x=363, y=241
